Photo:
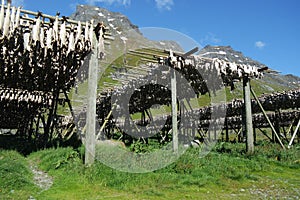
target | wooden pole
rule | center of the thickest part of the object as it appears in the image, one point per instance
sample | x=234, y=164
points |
x=90, y=135
x=174, y=111
x=226, y=130
x=248, y=116
x=254, y=134
x=276, y=124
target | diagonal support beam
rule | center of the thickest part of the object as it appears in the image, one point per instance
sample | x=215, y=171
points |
x=104, y=124
x=194, y=50
x=267, y=118
x=265, y=134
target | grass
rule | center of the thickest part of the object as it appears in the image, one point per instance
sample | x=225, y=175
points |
x=227, y=172
x=15, y=176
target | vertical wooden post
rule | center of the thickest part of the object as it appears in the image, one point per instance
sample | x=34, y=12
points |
x=226, y=130
x=215, y=131
x=273, y=136
x=248, y=116
x=90, y=136
x=174, y=111
x=277, y=124
x=243, y=128
x=254, y=134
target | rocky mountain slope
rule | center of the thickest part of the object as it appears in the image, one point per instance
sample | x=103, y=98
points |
x=122, y=29
x=273, y=81
x=228, y=54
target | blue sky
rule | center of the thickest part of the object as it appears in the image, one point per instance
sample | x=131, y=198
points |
x=265, y=30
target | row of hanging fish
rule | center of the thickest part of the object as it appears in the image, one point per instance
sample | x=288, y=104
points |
x=229, y=71
x=288, y=100
x=271, y=102
x=202, y=75
x=36, y=70
x=143, y=99
x=25, y=97
x=39, y=55
x=214, y=67
x=55, y=32
x=260, y=120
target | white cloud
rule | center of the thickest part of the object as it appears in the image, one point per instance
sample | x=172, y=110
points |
x=164, y=4
x=260, y=44
x=18, y=3
x=110, y=2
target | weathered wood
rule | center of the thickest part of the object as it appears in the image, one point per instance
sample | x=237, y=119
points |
x=254, y=135
x=248, y=116
x=90, y=136
x=226, y=130
x=174, y=112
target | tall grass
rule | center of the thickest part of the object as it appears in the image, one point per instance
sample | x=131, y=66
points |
x=226, y=164
x=16, y=177
x=226, y=161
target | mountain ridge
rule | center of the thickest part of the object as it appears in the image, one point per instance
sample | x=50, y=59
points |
x=227, y=53
x=122, y=28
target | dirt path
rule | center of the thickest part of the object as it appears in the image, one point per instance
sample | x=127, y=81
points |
x=41, y=179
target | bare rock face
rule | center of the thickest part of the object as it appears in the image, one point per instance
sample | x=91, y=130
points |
x=114, y=20
x=120, y=26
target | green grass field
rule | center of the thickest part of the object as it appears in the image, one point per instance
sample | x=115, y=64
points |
x=225, y=173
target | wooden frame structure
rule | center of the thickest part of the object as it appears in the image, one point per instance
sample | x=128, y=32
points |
x=39, y=61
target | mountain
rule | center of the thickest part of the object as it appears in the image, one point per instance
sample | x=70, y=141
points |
x=228, y=54
x=272, y=81
x=121, y=28
x=115, y=21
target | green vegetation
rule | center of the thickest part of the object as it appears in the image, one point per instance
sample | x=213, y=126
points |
x=16, y=179
x=225, y=173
